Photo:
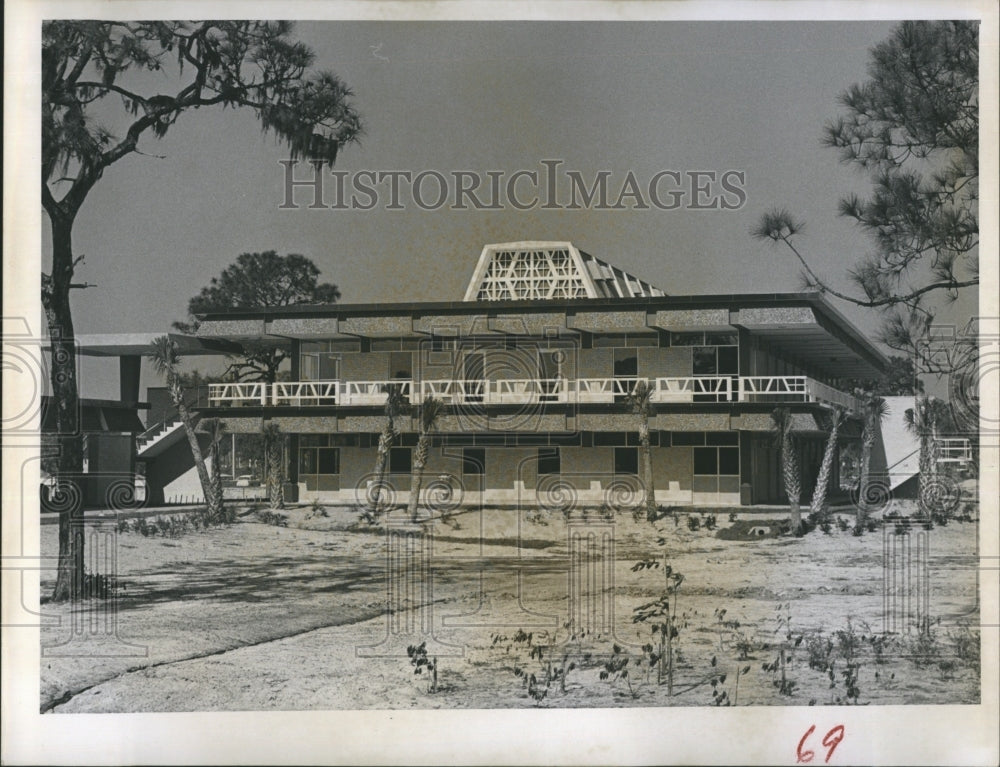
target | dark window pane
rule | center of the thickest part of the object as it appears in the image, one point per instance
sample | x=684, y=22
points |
x=685, y=438
x=729, y=460
x=608, y=340
x=706, y=460
x=399, y=460
x=687, y=339
x=474, y=460
x=329, y=367
x=626, y=460
x=329, y=460
x=609, y=438
x=722, y=438
x=548, y=460
x=721, y=339
x=704, y=361
x=626, y=362
x=307, y=461
x=729, y=360
x=401, y=365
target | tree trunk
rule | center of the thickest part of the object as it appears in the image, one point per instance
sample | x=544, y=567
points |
x=214, y=453
x=867, y=447
x=385, y=441
x=928, y=473
x=790, y=475
x=822, y=489
x=417, y=475
x=275, y=476
x=647, y=469
x=214, y=506
x=65, y=400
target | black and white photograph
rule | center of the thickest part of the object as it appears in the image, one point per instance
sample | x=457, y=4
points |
x=549, y=383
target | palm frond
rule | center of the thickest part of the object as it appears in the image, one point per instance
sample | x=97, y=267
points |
x=430, y=411
x=164, y=356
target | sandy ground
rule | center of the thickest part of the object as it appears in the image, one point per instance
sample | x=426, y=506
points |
x=261, y=617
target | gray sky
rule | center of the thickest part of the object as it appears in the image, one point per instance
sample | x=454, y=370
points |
x=645, y=97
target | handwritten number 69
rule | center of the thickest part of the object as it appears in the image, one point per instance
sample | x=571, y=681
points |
x=830, y=741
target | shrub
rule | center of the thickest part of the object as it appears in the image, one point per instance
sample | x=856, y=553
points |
x=965, y=645
x=420, y=662
x=275, y=518
x=693, y=523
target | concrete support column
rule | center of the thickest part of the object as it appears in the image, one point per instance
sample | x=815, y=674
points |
x=129, y=369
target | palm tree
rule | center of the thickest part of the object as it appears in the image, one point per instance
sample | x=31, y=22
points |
x=640, y=401
x=783, y=423
x=924, y=420
x=165, y=361
x=875, y=410
x=395, y=406
x=273, y=455
x=820, y=492
x=430, y=411
x=216, y=429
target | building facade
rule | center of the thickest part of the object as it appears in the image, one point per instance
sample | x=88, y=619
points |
x=533, y=368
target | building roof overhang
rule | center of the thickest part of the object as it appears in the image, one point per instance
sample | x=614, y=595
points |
x=140, y=344
x=804, y=324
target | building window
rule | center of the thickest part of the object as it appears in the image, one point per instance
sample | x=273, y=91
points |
x=716, y=469
x=626, y=460
x=400, y=460
x=318, y=362
x=319, y=463
x=401, y=365
x=474, y=461
x=626, y=363
x=549, y=460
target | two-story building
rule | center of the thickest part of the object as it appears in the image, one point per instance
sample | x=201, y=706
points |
x=533, y=367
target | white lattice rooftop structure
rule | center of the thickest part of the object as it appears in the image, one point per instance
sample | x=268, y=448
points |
x=531, y=271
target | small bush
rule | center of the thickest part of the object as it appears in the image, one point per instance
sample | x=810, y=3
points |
x=710, y=521
x=420, y=662
x=693, y=523
x=965, y=645
x=275, y=518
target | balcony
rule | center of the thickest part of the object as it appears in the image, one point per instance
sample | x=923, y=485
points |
x=529, y=391
x=954, y=450
x=794, y=389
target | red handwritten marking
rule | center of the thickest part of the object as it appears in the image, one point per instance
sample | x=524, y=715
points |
x=830, y=741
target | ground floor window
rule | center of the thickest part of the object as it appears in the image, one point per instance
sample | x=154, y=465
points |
x=319, y=462
x=716, y=469
x=626, y=460
x=400, y=460
x=474, y=461
x=549, y=460
x=242, y=461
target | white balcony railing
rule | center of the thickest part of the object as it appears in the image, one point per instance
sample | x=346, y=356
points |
x=693, y=389
x=793, y=389
x=305, y=393
x=232, y=394
x=597, y=390
x=524, y=391
x=954, y=450
x=461, y=392
x=666, y=390
x=372, y=392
